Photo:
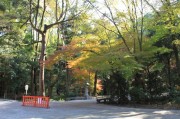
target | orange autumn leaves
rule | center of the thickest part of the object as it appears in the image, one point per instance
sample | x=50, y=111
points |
x=75, y=52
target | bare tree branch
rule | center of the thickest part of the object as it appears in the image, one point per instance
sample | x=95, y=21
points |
x=42, y=18
x=119, y=32
x=105, y=27
x=92, y=51
x=62, y=13
x=59, y=22
x=152, y=7
x=112, y=20
x=32, y=25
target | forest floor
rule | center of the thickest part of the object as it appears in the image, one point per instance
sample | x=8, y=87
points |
x=81, y=109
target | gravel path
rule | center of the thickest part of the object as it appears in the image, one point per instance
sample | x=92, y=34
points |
x=84, y=109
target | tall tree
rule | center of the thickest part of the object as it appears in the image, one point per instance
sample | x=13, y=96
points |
x=45, y=12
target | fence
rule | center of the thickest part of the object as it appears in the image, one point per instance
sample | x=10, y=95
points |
x=36, y=101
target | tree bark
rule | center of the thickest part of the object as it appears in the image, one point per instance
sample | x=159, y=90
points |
x=42, y=66
x=176, y=54
x=95, y=84
x=32, y=81
x=169, y=72
x=50, y=89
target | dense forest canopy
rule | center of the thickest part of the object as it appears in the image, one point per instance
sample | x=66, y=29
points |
x=57, y=47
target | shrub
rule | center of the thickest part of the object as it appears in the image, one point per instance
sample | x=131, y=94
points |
x=177, y=100
x=137, y=95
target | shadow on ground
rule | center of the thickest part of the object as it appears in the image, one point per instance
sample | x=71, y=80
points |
x=83, y=109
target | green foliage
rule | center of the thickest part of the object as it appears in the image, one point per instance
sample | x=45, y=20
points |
x=156, y=67
x=177, y=42
x=177, y=100
x=138, y=95
x=2, y=8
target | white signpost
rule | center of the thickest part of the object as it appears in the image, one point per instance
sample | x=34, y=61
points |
x=26, y=88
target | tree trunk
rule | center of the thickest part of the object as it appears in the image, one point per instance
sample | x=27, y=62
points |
x=42, y=66
x=95, y=84
x=177, y=59
x=67, y=81
x=50, y=89
x=32, y=81
x=169, y=72
x=35, y=81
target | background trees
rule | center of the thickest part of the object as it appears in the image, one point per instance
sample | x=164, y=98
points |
x=130, y=45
